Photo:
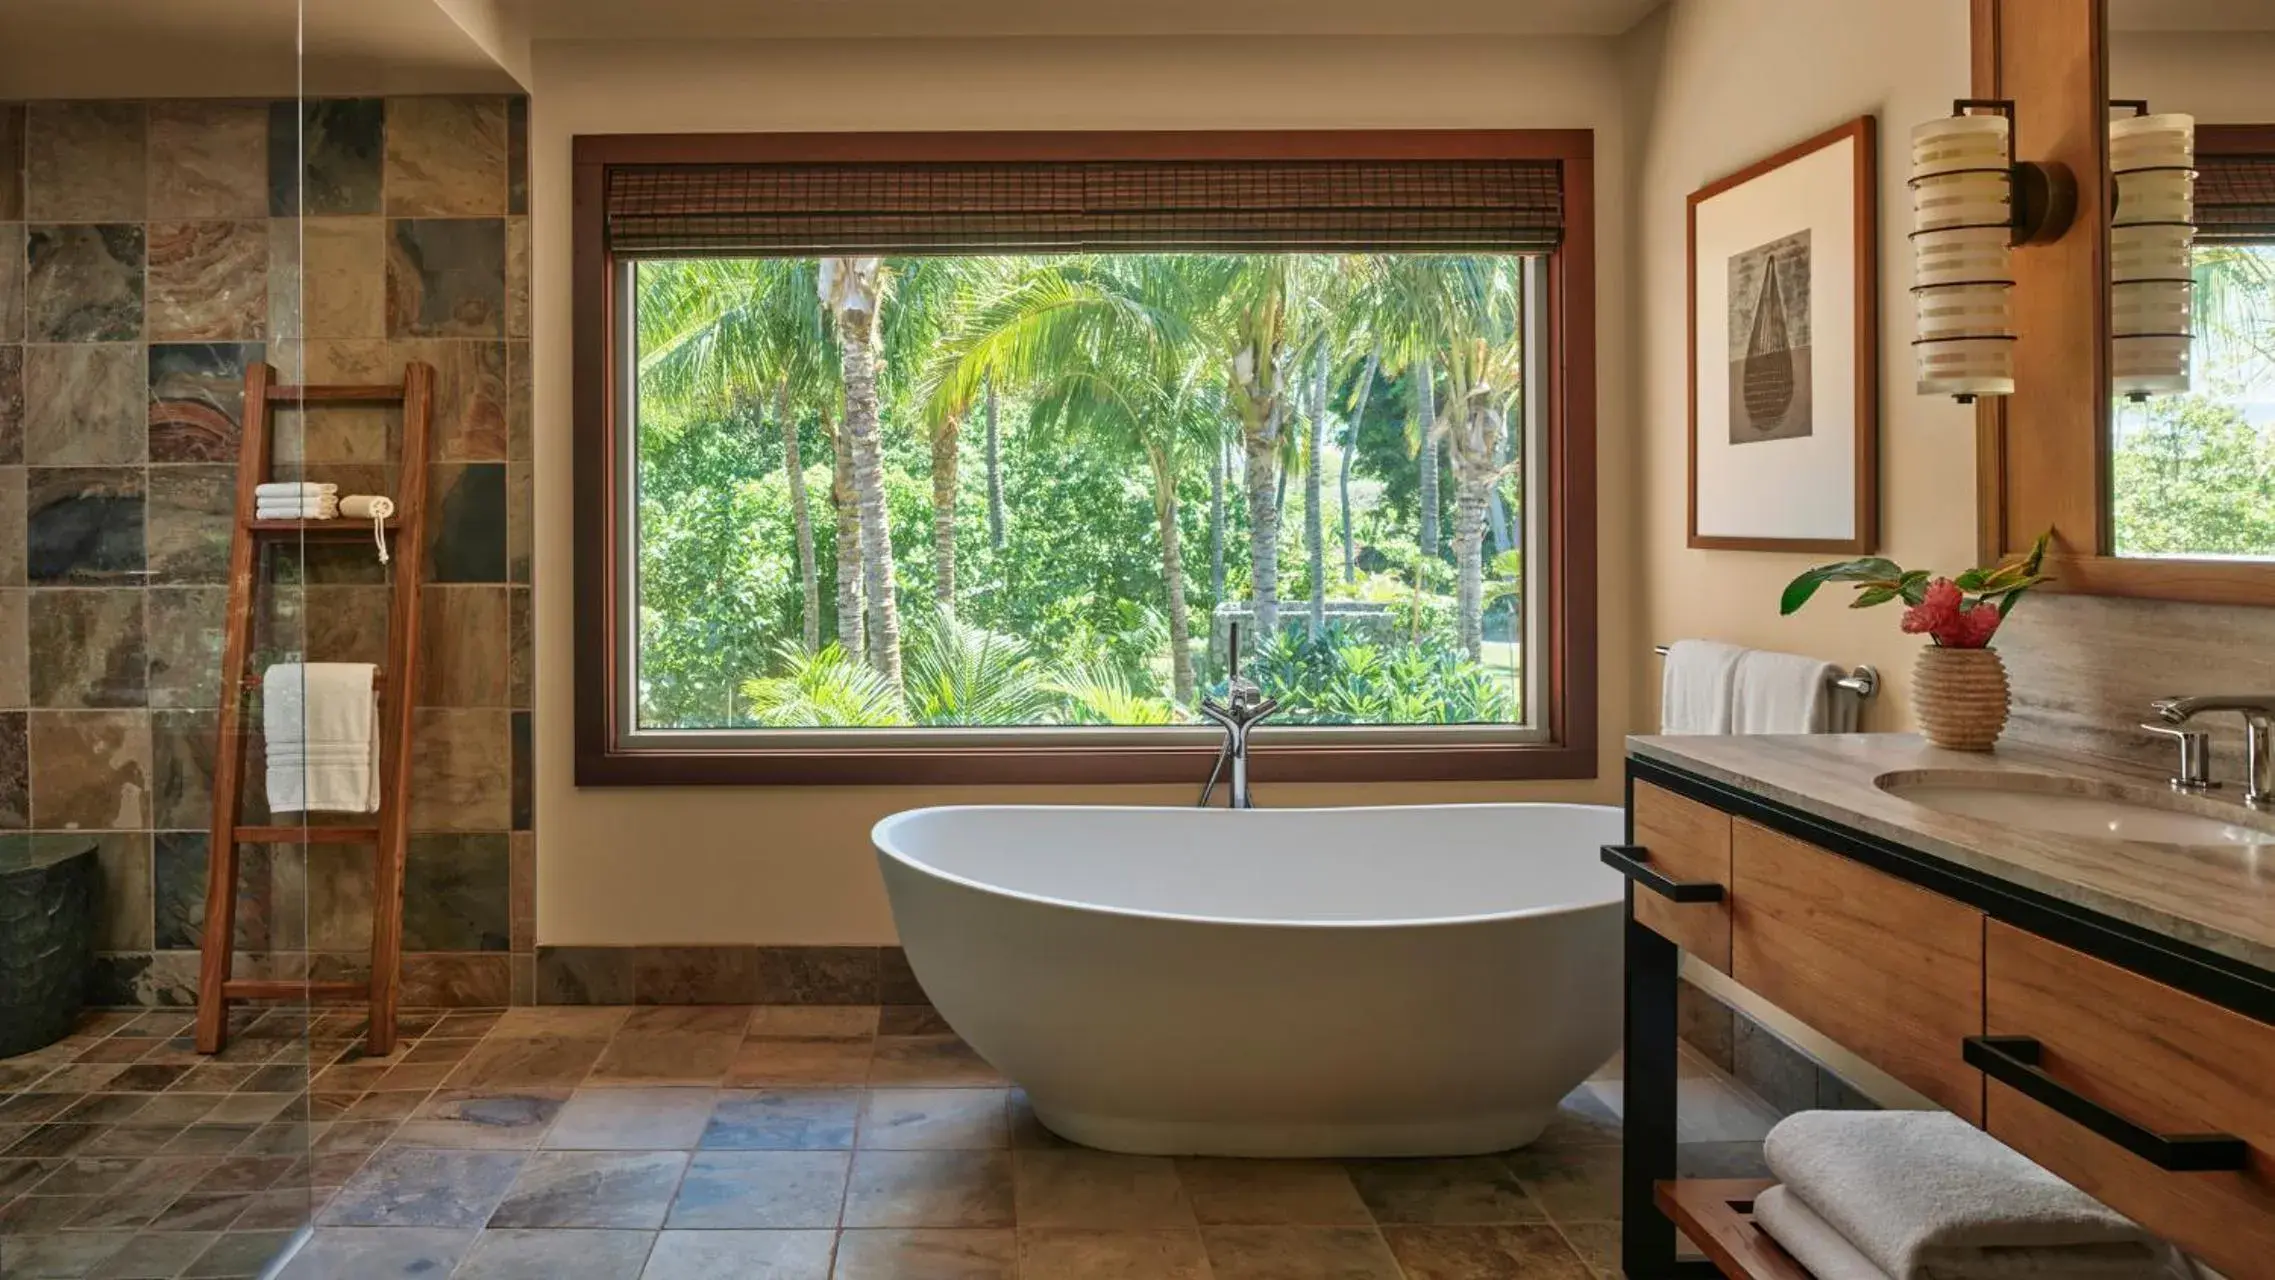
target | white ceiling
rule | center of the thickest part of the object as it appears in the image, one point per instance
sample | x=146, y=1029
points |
x=805, y=19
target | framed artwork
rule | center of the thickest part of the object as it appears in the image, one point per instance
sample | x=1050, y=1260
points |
x=1784, y=259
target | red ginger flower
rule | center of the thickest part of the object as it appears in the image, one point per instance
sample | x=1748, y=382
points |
x=1973, y=628
x=1936, y=612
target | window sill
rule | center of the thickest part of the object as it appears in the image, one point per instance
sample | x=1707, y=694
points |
x=1101, y=765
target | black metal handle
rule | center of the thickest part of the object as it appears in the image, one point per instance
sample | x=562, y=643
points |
x=2014, y=1062
x=1631, y=861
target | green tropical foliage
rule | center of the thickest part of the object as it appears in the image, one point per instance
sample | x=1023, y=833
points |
x=1003, y=491
x=2192, y=475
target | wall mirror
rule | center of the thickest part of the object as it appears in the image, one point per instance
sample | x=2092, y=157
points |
x=2191, y=444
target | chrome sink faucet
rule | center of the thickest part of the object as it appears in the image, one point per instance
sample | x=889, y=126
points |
x=1243, y=708
x=2258, y=712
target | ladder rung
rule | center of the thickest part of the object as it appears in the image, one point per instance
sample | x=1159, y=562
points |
x=340, y=527
x=336, y=391
x=281, y=989
x=306, y=835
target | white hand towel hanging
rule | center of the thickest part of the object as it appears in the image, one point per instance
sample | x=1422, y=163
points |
x=1788, y=693
x=1694, y=693
x=321, y=720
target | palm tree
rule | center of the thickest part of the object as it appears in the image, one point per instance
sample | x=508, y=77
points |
x=824, y=689
x=1314, y=524
x=1259, y=301
x=728, y=329
x=853, y=290
x=1350, y=450
x=994, y=467
x=1107, y=345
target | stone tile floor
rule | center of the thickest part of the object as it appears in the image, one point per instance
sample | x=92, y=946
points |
x=687, y=1143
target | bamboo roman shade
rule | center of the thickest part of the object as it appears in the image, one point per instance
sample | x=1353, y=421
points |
x=1057, y=207
x=2235, y=197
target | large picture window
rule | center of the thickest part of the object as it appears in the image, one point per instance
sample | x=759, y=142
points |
x=974, y=467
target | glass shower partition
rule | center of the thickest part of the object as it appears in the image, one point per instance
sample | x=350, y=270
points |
x=149, y=255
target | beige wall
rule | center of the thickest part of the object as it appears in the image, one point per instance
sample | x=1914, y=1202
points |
x=793, y=865
x=2218, y=77
x=1737, y=80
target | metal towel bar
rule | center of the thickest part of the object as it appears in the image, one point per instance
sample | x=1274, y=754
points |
x=1863, y=682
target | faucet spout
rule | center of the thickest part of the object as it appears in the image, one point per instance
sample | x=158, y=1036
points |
x=2258, y=712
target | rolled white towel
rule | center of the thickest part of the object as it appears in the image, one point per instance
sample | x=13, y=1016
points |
x=1923, y=1194
x=1799, y=1231
x=1828, y=1255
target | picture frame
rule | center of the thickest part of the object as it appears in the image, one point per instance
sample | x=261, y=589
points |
x=1783, y=266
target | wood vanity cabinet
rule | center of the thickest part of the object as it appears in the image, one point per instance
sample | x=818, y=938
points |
x=1688, y=841
x=1887, y=969
x=2161, y=1059
x=2125, y=1060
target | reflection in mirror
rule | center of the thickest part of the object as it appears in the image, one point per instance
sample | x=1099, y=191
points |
x=2192, y=473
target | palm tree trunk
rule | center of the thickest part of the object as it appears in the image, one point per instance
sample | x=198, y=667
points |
x=847, y=505
x=1218, y=465
x=853, y=289
x=994, y=472
x=1350, y=448
x=944, y=439
x=1264, y=527
x=878, y=587
x=1314, y=499
x=1426, y=453
x=1173, y=577
x=1469, y=563
x=801, y=518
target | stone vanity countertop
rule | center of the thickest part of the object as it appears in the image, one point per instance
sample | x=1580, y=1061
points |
x=2219, y=898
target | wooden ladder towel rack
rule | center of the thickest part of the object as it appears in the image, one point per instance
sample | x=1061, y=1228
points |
x=389, y=828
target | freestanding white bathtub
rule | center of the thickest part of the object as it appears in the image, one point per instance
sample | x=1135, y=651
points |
x=1427, y=980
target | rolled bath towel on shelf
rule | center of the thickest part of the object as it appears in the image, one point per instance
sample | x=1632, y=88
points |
x=321, y=721
x=1923, y=1195
x=1799, y=1231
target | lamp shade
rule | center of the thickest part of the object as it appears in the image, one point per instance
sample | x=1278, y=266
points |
x=2152, y=235
x=1962, y=189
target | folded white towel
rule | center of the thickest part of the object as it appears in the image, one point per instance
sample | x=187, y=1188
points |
x=321, y=721
x=293, y=489
x=1822, y=1251
x=1694, y=686
x=1788, y=693
x=1923, y=1194
x=315, y=509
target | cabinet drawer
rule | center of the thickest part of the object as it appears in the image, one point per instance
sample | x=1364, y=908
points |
x=1687, y=841
x=2160, y=1058
x=1888, y=970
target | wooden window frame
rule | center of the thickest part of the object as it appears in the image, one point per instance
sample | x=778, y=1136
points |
x=2043, y=454
x=1568, y=585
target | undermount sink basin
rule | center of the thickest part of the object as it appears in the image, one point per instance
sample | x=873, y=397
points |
x=2079, y=807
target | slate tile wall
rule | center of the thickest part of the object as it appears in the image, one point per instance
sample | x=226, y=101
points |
x=149, y=251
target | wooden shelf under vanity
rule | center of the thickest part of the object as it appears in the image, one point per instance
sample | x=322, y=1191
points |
x=1718, y=1216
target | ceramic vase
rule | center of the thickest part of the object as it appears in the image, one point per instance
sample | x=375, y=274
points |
x=1959, y=697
